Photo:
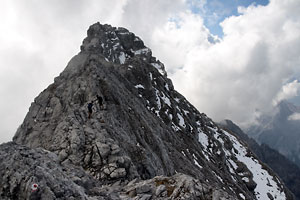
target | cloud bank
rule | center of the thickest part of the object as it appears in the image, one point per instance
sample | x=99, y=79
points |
x=287, y=91
x=255, y=64
x=294, y=117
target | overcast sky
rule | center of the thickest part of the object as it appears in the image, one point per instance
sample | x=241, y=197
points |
x=254, y=64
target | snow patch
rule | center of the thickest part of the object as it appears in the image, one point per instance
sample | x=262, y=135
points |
x=166, y=99
x=191, y=128
x=159, y=68
x=246, y=179
x=175, y=127
x=122, y=58
x=216, y=175
x=181, y=120
x=242, y=195
x=123, y=33
x=196, y=162
x=139, y=86
x=233, y=164
x=157, y=99
x=230, y=168
x=167, y=86
x=157, y=113
x=203, y=139
x=186, y=112
x=116, y=46
x=142, y=51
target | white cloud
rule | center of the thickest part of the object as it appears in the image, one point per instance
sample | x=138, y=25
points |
x=197, y=5
x=177, y=38
x=294, y=116
x=243, y=74
x=288, y=91
x=142, y=17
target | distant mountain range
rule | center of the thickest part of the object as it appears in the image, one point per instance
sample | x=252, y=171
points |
x=286, y=169
x=281, y=131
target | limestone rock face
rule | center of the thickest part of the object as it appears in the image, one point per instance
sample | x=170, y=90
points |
x=146, y=142
x=21, y=168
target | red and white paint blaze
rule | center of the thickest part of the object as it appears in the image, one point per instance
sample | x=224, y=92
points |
x=34, y=187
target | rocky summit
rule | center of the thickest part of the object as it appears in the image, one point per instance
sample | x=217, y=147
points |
x=111, y=126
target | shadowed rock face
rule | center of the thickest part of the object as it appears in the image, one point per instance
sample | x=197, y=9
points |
x=147, y=141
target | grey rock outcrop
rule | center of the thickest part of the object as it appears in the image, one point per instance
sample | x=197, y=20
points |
x=22, y=167
x=179, y=186
x=147, y=141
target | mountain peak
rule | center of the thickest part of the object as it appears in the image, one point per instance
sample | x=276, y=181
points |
x=143, y=133
x=117, y=45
